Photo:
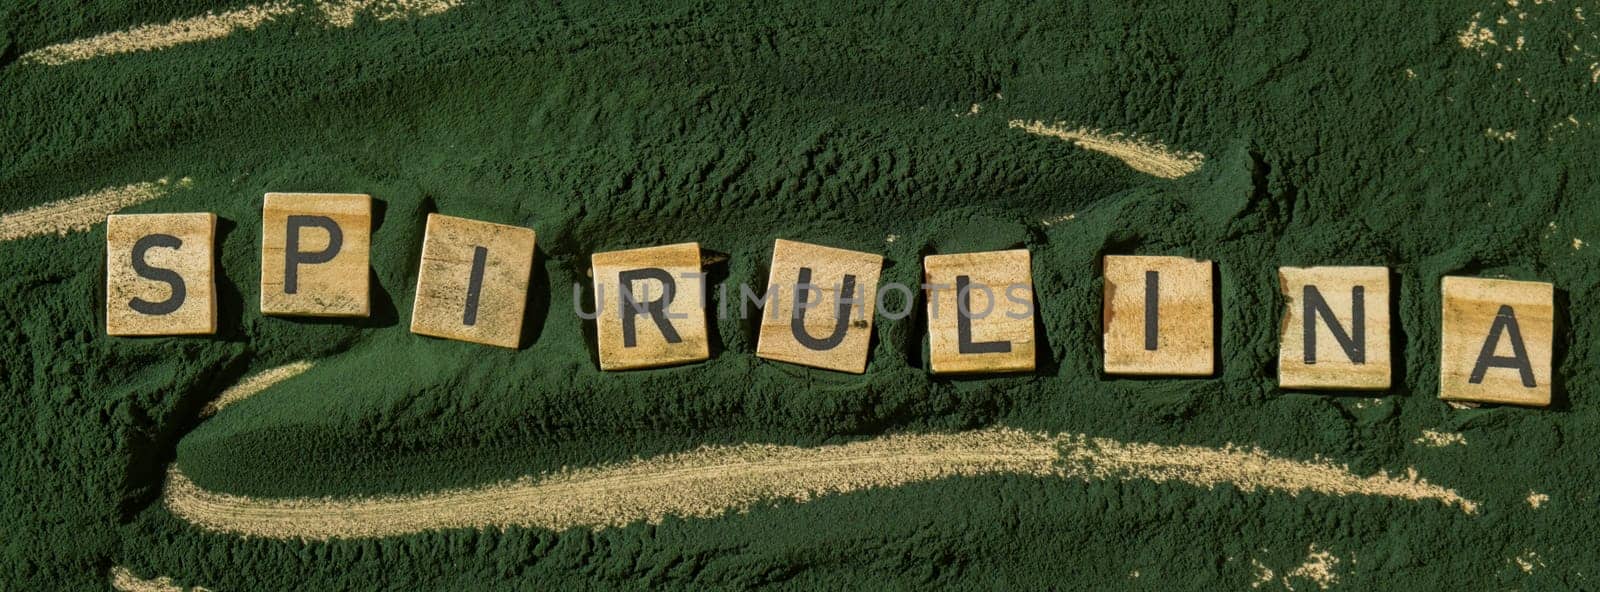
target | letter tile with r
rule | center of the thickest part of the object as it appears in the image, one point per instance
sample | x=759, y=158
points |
x=650, y=304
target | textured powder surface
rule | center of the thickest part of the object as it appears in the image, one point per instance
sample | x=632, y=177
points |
x=1373, y=136
x=251, y=385
x=79, y=213
x=712, y=480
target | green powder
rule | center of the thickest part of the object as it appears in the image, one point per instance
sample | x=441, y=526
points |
x=1355, y=135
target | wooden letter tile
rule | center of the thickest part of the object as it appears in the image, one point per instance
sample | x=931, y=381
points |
x=160, y=274
x=472, y=284
x=1335, y=331
x=1497, y=341
x=1158, y=316
x=816, y=334
x=980, y=312
x=651, y=307
x=314, y=254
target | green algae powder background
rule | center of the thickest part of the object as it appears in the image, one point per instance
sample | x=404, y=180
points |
x=1436, y=138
